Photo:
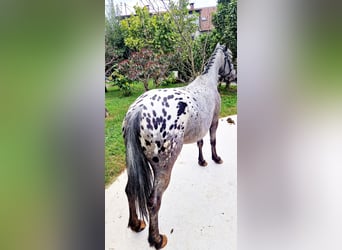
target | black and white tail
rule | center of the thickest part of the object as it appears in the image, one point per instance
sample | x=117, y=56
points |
x=140, y=176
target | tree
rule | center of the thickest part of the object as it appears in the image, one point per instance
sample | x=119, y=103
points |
x=144, y=30
x=115, y=48
x=144, y=65
x=186, y=27
x=164, y=32
x=225, y=22
x=203, y=46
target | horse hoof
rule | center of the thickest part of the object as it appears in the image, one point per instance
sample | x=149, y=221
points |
x=142, y=225
x=218, y=160
x=202, y=163
x=162, y=243
x=138, y=228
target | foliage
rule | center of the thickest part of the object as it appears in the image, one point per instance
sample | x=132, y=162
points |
x=170, y=31
x=223, y=1
x=115, y=48
x=156, y=32
x=122, y=82
x=144, y=65
x=171, y=79
x=225, y=22
x=203, y=46
x=186, y=27
x=171, y=37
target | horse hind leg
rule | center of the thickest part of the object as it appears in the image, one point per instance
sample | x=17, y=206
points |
x=134, y=223
x=201, y=160
x=161, y=182
x=212, y=131
x=162, y=173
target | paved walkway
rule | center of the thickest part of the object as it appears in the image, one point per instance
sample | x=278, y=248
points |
x=198, y=210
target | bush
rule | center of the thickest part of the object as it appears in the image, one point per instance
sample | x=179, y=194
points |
x=144, y=65
x=171, y=79
x=122, y=82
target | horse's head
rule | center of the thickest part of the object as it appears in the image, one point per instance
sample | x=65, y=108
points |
x=227, y=71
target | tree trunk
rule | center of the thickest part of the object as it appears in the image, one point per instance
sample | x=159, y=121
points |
x=227, y=85
x=146, y=85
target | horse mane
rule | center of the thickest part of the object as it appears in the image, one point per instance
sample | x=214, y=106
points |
x=210, y=61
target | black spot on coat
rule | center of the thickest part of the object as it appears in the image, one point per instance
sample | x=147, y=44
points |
x=181, y=108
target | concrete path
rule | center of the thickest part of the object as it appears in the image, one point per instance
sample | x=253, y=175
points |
x=199, y=208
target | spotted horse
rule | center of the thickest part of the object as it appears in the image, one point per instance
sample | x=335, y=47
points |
x=155, y=128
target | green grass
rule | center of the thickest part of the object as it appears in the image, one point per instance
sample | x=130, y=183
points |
x=117, y=106
x=228, y=101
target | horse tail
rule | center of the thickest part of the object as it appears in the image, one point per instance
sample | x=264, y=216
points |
x=140, y=177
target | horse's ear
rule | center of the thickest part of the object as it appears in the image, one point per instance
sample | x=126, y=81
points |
x=217, y=45
x=225, y=47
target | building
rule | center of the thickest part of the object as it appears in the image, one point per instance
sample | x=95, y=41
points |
x=205, y=17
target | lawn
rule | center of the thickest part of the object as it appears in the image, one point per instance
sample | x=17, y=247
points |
x=117, y=106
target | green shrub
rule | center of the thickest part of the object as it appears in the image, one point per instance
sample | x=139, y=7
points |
x=171, y=79
x=122, y=82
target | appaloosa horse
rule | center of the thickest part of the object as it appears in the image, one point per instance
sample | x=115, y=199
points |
x=155, y=128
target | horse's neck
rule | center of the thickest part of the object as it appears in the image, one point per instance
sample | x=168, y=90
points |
x=216, y=64
x=213, y=73
x=204, y=84
x=211, y=77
